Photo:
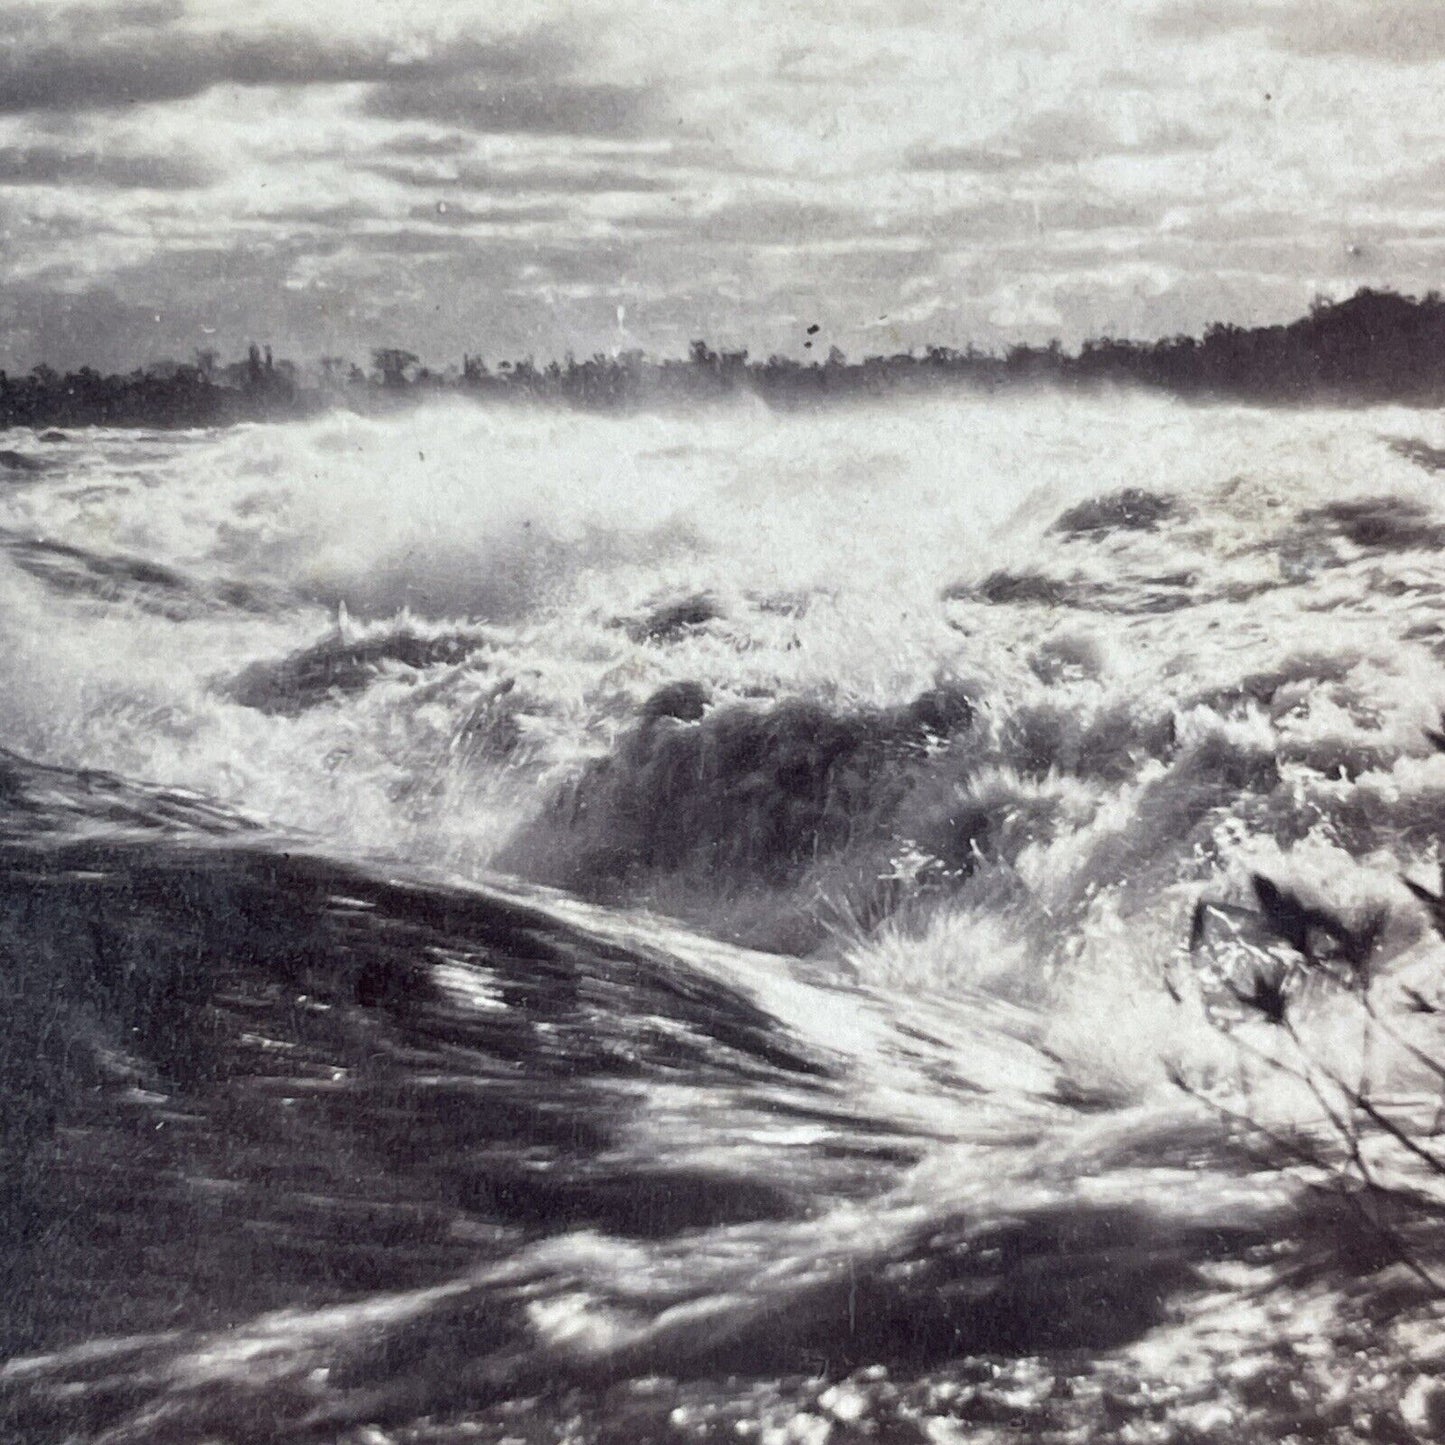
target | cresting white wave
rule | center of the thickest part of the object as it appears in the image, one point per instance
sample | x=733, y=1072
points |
x=965, y=703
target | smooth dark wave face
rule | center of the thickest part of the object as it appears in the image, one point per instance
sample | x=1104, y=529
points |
x=747, y=926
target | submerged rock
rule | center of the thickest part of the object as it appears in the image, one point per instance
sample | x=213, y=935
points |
x=13, y=461
x=1386, y=524
x=1131, y=510
x=684, y=701
x=114, y=577
x=338, y=664
x=675, y=619
x=1431, y=459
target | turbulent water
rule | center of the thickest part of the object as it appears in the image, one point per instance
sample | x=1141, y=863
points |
x=522, y=925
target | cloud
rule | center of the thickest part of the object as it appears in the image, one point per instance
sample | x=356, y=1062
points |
x=768, y=221
x=1205, y=19
x=133, y=66
x=1403, y=32
x=519, y=84
x=429, y=146
x=171, y=303
x=537, y=106
x=1054, y=138
x=45, y=165
x=966, y=160
x=338, y=216
x=29, y=18
x=449, y=213
x=606, y=180
x=1410, y=32
x=998, y=221
x=87, y=327
x=567, y=179
x=1413, y=185
x=411, y=241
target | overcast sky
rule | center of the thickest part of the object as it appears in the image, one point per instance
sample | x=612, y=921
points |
x=533, y=176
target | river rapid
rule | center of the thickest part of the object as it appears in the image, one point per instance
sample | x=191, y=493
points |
x=525, y=925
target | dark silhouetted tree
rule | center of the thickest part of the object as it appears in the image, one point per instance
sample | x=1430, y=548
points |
x=393, y=364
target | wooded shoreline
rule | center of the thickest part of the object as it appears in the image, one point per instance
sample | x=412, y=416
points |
x=1375, y=347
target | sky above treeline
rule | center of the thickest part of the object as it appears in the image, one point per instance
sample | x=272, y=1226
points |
x=535, y=176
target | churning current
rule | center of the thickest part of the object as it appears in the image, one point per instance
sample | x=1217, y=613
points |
x=891, y=923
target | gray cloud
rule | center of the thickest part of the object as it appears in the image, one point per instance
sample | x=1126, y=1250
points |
x=599, y=182
x=568, y=180
x=966, y=160
x=1398, y=31
x=546, y=297
x=411, y=241
x=166, y=305
x=29, y=18
x=997, y=221
x=450, y=213
x=1204, y=19
x=136, y=67
x=1233, y=226
x=771, y=221
x=427, y=146
x=89, y=327
x=407, y=175
x=1053, y=138
x=523, y=84
x=1411, y=186
x=45, y=165
x=340, y=216
x=541, y=105
x=136, y=12
x=794, y=232
x=1402, y=31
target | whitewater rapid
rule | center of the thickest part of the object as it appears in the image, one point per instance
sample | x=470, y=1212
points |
x=786, y=826
x=1244, y=665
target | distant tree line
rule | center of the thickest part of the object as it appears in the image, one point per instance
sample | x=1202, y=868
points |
x=1377, y=345
x=165, y=394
